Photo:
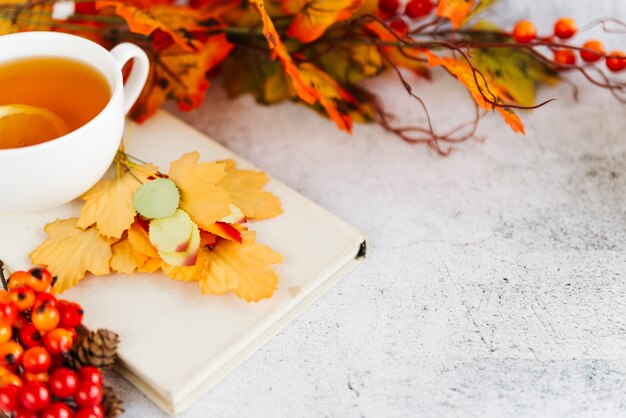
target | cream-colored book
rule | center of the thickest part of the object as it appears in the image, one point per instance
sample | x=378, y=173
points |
x=175, y=343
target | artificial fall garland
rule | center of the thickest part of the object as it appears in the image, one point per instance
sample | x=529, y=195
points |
x=191, y=223
x=318, y=51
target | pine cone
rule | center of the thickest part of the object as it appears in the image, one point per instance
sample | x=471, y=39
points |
x=97, y=349
x=112, y=404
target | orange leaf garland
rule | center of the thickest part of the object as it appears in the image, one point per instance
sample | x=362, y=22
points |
x=69, y=252
x=180, y=74
x=455, y=10
x=477, y=86
x=244, y=268
x=176, y=21
x=200, y=196
x=313, y=17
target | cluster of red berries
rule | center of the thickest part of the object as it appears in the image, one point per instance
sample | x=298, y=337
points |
x=37, y=332
x=525, y=31
x=415, y=9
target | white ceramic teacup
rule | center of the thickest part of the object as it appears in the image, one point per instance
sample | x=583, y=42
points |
x=46, y=175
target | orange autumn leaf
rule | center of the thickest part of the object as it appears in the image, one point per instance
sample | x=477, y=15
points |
x=177, y=21
x=204, y=201
x=70, y=252
x=311, y=83
x=187, y=273
x=244, y=268
x=181, y=75
x=245, y=188
x=224, y=230
x=313, y=17
x=109, y=204
x=148, y=260
x=478, y=87
x=455, y=10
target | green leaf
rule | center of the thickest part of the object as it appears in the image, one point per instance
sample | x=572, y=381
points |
x=156, y=199
x=515, y=70
x=171, y=234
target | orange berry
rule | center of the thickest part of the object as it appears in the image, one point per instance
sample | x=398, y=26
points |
x=36, y=360
x=595, y=51
x=8, y=313
x=564, y=57
x=11, y=354
x=6, y=332
x=59, y=341
x=616, y=61
x=565, y=28
x=524, y=31
x=17, y=279
x=10, y=379
x=39, y=279
x=23, y=297
x=35, y=377
x=45, y=317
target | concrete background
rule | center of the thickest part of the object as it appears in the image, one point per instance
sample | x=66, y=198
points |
x=494, y=285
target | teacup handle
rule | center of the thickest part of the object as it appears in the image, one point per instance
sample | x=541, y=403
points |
x=138, y=75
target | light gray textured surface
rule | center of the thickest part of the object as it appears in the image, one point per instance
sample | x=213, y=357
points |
x=495, y=283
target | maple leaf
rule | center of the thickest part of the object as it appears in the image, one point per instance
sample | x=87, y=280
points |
x=177, y=21
x=313, y=17
x=455, y=10
x=180, y=74
x=34, y=17
x=69, y=252
x=245, y=188
x=109, y=204
x=200, y=196
x=244, y=268
x=125, y=259
x=478, y=86
x=311, y=83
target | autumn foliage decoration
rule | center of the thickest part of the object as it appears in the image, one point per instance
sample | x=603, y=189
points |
x=318, y=51
x=190, y=223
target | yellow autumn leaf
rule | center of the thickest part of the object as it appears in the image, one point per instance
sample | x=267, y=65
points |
x=125, y=259
x=245, y=188
x=140, y=240
x=150, y=265
x=109, y=204
x=200, y=196
x=188, y=273
x=245, y=268
x=70, y=252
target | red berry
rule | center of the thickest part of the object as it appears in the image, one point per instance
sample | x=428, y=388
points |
x=564, y=57
x=23, y=297
x=58, y=341
x=565, y=28
x=399, y=26
x=39, y=279
x=90, y=374
x=11, y=354
x=30, y=336
x=63, y=382
x=596, y=51
x=95, y=411
x=388, y=8
x=57, y=410
x=88, y=394
x=34, y=396
x=419, y=8
x=8, y=398
x=40, y=297
x=45, y=317
x=21, y=321
x=524, y=31
x=36, y=360
x=616, y=61
x=8, y=313
x=71, y=314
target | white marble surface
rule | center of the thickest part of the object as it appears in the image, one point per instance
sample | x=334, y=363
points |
x=494, y=285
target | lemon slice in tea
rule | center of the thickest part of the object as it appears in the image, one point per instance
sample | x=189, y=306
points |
x=22, y=125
